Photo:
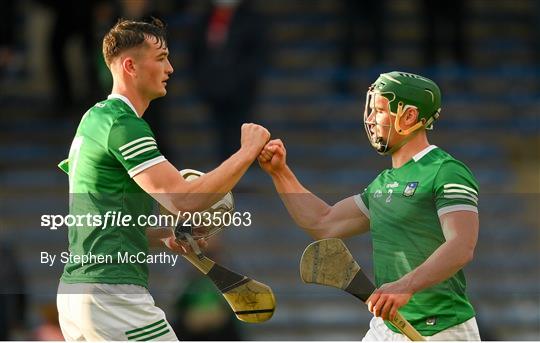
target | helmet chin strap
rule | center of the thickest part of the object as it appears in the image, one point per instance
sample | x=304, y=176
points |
x=400, y=144
x=410, y=132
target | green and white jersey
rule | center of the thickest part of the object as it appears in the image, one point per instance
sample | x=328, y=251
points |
x=404, y=205
x=112, y=144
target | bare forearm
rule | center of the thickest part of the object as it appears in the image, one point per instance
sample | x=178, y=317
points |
x=205, y=191
x=227, y=175
x=306, y=209
x=447, y=260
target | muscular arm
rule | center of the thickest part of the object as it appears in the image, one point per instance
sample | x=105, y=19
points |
x=164, y=182
x=311, y=213
x=460, y=229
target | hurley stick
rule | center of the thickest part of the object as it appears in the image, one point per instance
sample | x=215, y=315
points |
x=328, y=262
x=251, y=301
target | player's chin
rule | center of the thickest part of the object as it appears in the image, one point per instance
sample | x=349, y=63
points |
x=163, y=88
x=161, y=93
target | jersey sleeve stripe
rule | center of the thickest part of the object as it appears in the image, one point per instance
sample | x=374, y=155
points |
x=125, y=153
x=127, y=145
x=150, y=326
x=459, y=196
x=154, y=147
x=360, y=203
x=141, y=336
x=457, y=185
x=161, y=333
x=147, y=164
x=461, y=191
x=455, y=208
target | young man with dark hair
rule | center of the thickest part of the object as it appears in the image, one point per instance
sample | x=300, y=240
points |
x=115, y=165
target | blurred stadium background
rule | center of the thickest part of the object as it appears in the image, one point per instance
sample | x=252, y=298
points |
x=490, y=120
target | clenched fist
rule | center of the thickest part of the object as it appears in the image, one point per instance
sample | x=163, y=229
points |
x=273, y=157
x=254, y=138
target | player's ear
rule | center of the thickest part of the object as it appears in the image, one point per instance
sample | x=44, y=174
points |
x=411, y=116
x=128, y=64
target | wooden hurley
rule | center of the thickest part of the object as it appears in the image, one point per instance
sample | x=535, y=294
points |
x=251, y=301
x=328, y=262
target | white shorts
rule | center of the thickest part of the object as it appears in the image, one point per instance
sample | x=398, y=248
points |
x=103, y=312
x=466, y=331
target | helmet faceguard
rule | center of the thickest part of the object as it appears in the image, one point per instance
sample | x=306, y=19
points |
x=379, y=142
x=403, y=91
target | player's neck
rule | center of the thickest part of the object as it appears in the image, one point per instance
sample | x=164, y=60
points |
x=139, y=103
x=418, y=143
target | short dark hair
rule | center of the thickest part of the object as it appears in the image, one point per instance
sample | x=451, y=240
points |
x=126, y=34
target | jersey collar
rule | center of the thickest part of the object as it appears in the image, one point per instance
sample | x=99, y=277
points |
x=423, y=153
x=124, y=99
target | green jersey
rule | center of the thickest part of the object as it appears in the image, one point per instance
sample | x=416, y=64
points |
x=404, y=205
x=111, y=145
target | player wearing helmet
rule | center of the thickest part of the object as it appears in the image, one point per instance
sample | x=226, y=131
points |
x=400, y=92
x=422, y=213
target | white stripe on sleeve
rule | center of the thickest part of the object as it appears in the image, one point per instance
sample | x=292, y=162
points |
x=460, y=191
x=457, y=185
x=147, y=164
x=125, y=153
x=459, y=196
x=127, y=145
x=140, y=152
